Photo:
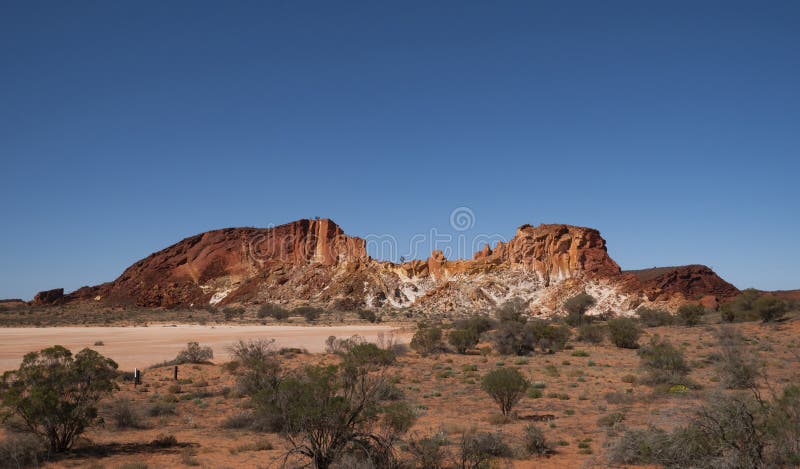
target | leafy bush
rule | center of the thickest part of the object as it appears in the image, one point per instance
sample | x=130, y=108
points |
x=274, y=311
x=230, y=312
x=479, y=324
x=624, y=332
x=535, y=442
x=512, y=310
x=591, y=333
x=512, y=338
x=462, y=339
x=260, y=367
x=309, y=313
x=576, y=308
x=663, y=363
x=738, y=367
x=325, y=412
x=194, y=353
x=18, y=451
x=548, y=336
x=770, y=308
x=654, y=317
x=691, y=314
x=124, y=414
x=427, y=339
x=428, y=452
x=367, y=315
x=160, y=409
x=509, y=338
x=55, y=395
x=477, y=450
x=506, y=386
x=741, y=308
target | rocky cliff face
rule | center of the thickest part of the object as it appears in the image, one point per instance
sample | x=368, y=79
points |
x=315, y=261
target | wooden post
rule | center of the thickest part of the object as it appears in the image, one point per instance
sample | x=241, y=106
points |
x=175, y=373
x=136, y=377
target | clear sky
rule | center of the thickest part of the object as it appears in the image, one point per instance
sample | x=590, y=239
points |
x=673, y=127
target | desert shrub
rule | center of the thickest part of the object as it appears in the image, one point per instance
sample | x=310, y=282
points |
x=535, y=442
x=691, y=314
x=18, y=451
x=367, y=315
x=428, y=452
x=624, y=332
x=478, y=450
x=741, y=308
x=509, y=338
x=125, y=414
x=161, y=409
x=770, y=308
x=505, y=386
x=514, y=310
x=54, y=395
x=591, y=333
x=462, y=339
x=325, y=412
x=230, y=312
x=309, y=313
x=654, y=317
x=663, y=363
x=576, y=308
x=367, y=355
x=258, y=363
x=479, y=324
x=427, y=339
x=274, y=311
x=545, y=334
x=737, y=366
x=239, y=421
x=194, y=353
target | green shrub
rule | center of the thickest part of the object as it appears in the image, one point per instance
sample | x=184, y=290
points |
x=624, y=332
x=591, y=333
x=663, y=363
x=741, y=308
x=427, y=339
x=691, y=314
x=576, y=308
x=770, y=308
x=513, y=310
x=274, y=311
x=737, y=366
x=124, y=414
x=506, y=386
x=535, y=442
x=194, y=353
x=654, y=317
x=367, y=315
x=478, y=450
x=309, y=313
x=462, y=339
x=55, y=395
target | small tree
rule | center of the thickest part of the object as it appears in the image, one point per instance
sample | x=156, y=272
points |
x=691, y=314
x=55, y=396
x=624, y=332
x=512, y=310
x=427, y=339
x=770, y=308
x=576, y=308
x=194, y=353
x=506, y=386
x=663, y=362
x=462, y=339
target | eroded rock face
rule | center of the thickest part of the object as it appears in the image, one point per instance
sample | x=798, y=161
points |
x=315, y=261
x=48, y=297
x=693, y=282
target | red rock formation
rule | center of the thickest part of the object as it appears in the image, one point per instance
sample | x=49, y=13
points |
x=48, y=297
x=315, y=261
x=694, y=282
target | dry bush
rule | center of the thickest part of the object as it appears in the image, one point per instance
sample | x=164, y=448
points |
x=624, y=332
x=663, y=363
x=535, y=442
x=738, y=366
x=125, y=414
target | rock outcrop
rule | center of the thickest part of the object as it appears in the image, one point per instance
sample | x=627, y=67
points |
x=314, y=261
x=48, y=297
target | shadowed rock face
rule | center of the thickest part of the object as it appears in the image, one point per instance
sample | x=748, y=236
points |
x=692, y=281
x=315, y=261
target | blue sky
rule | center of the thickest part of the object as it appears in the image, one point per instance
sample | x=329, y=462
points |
x=673, y=127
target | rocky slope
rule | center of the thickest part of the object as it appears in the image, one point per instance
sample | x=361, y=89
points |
x=314, y=261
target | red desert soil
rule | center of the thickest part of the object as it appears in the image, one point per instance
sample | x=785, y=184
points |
x=581, y=386
x=141, y=347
